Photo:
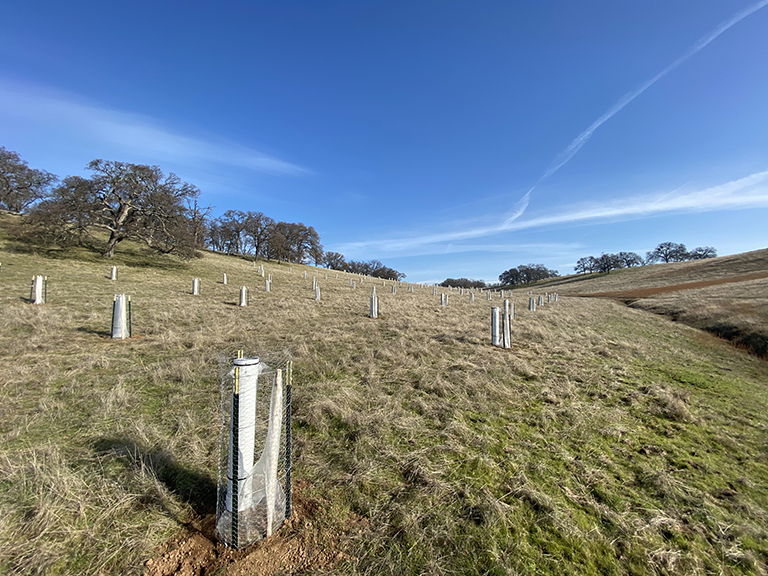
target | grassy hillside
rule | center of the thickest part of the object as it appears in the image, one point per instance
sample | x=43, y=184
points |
x=736, y=311
x=663, y=275
x=607, y=441
x=727, y=296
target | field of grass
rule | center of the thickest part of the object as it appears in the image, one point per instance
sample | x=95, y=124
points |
x=727, y=296
x=606, y=441
x=663, y=275
x=735, y=311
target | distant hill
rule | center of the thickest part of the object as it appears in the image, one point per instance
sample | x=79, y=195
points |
x=727, y=296
x=665, y=275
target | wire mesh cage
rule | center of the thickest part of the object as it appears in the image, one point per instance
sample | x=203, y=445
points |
x=254, y=487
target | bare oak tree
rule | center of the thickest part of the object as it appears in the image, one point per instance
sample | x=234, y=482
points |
x=20, y=185
x=126, y=201
x=257, y=230
x=667, y=252
x=702, y=253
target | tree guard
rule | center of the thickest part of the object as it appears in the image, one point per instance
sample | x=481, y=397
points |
x=254, y=495
x=495, y=338
x=39, y=291
x=121, y=317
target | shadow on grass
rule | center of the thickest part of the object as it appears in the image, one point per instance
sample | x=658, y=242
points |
x=197, y=490
x=133, y=256
x=101, y=333
x=553, y=282
x=752, y=341
x=575, y=279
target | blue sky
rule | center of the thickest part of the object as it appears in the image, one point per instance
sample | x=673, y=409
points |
x=446, y=139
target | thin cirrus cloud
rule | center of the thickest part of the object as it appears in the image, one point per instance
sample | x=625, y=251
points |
x=726, y=196
x=747, y=192
x=572, y=149
x=126, y=133
x=530, y=248
x=582, y=138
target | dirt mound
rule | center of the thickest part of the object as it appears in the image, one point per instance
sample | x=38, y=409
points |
x=298, y=546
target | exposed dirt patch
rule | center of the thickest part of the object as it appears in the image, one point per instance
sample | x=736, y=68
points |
x=646, y=292
x=299, y=546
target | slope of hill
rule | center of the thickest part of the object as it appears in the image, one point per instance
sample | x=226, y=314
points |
x=723, y=269
x=606, y=441
x=737, y=311
x=727, y=296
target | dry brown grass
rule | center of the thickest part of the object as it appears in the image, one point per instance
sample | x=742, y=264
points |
x=607, y=440
x=661, y=275
x=726, y=296
x=737, y=312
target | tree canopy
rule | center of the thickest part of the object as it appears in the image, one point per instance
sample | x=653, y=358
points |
x=20, y=185
x=127, y=201
x=526, y=274
x=672, y=252
x=374, y=268
x=667, y=252
x=463, y=283
x=664, y=252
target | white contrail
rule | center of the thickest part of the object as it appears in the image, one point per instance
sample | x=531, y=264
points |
x=746, y=192
x=518, y=209
x=582, y=138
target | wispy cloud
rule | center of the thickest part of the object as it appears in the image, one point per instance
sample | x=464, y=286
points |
x=710, y=199
x=127, y=133
x=565, y=156
x=582, y=138
x=748, y=192
x=461, y=231
x=499, y=248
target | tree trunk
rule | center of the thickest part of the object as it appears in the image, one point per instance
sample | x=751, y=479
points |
x=109, y=251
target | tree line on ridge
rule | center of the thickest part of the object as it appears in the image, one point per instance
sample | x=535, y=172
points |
x=665, y=252
x=124, y=201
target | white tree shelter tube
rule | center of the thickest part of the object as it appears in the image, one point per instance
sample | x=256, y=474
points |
x=267, y=496
x=120, y=328
x=495, y=339
x=38, y=291
x=506, y=336
x=241, y=433
x=271, y=457
x=255, y=501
